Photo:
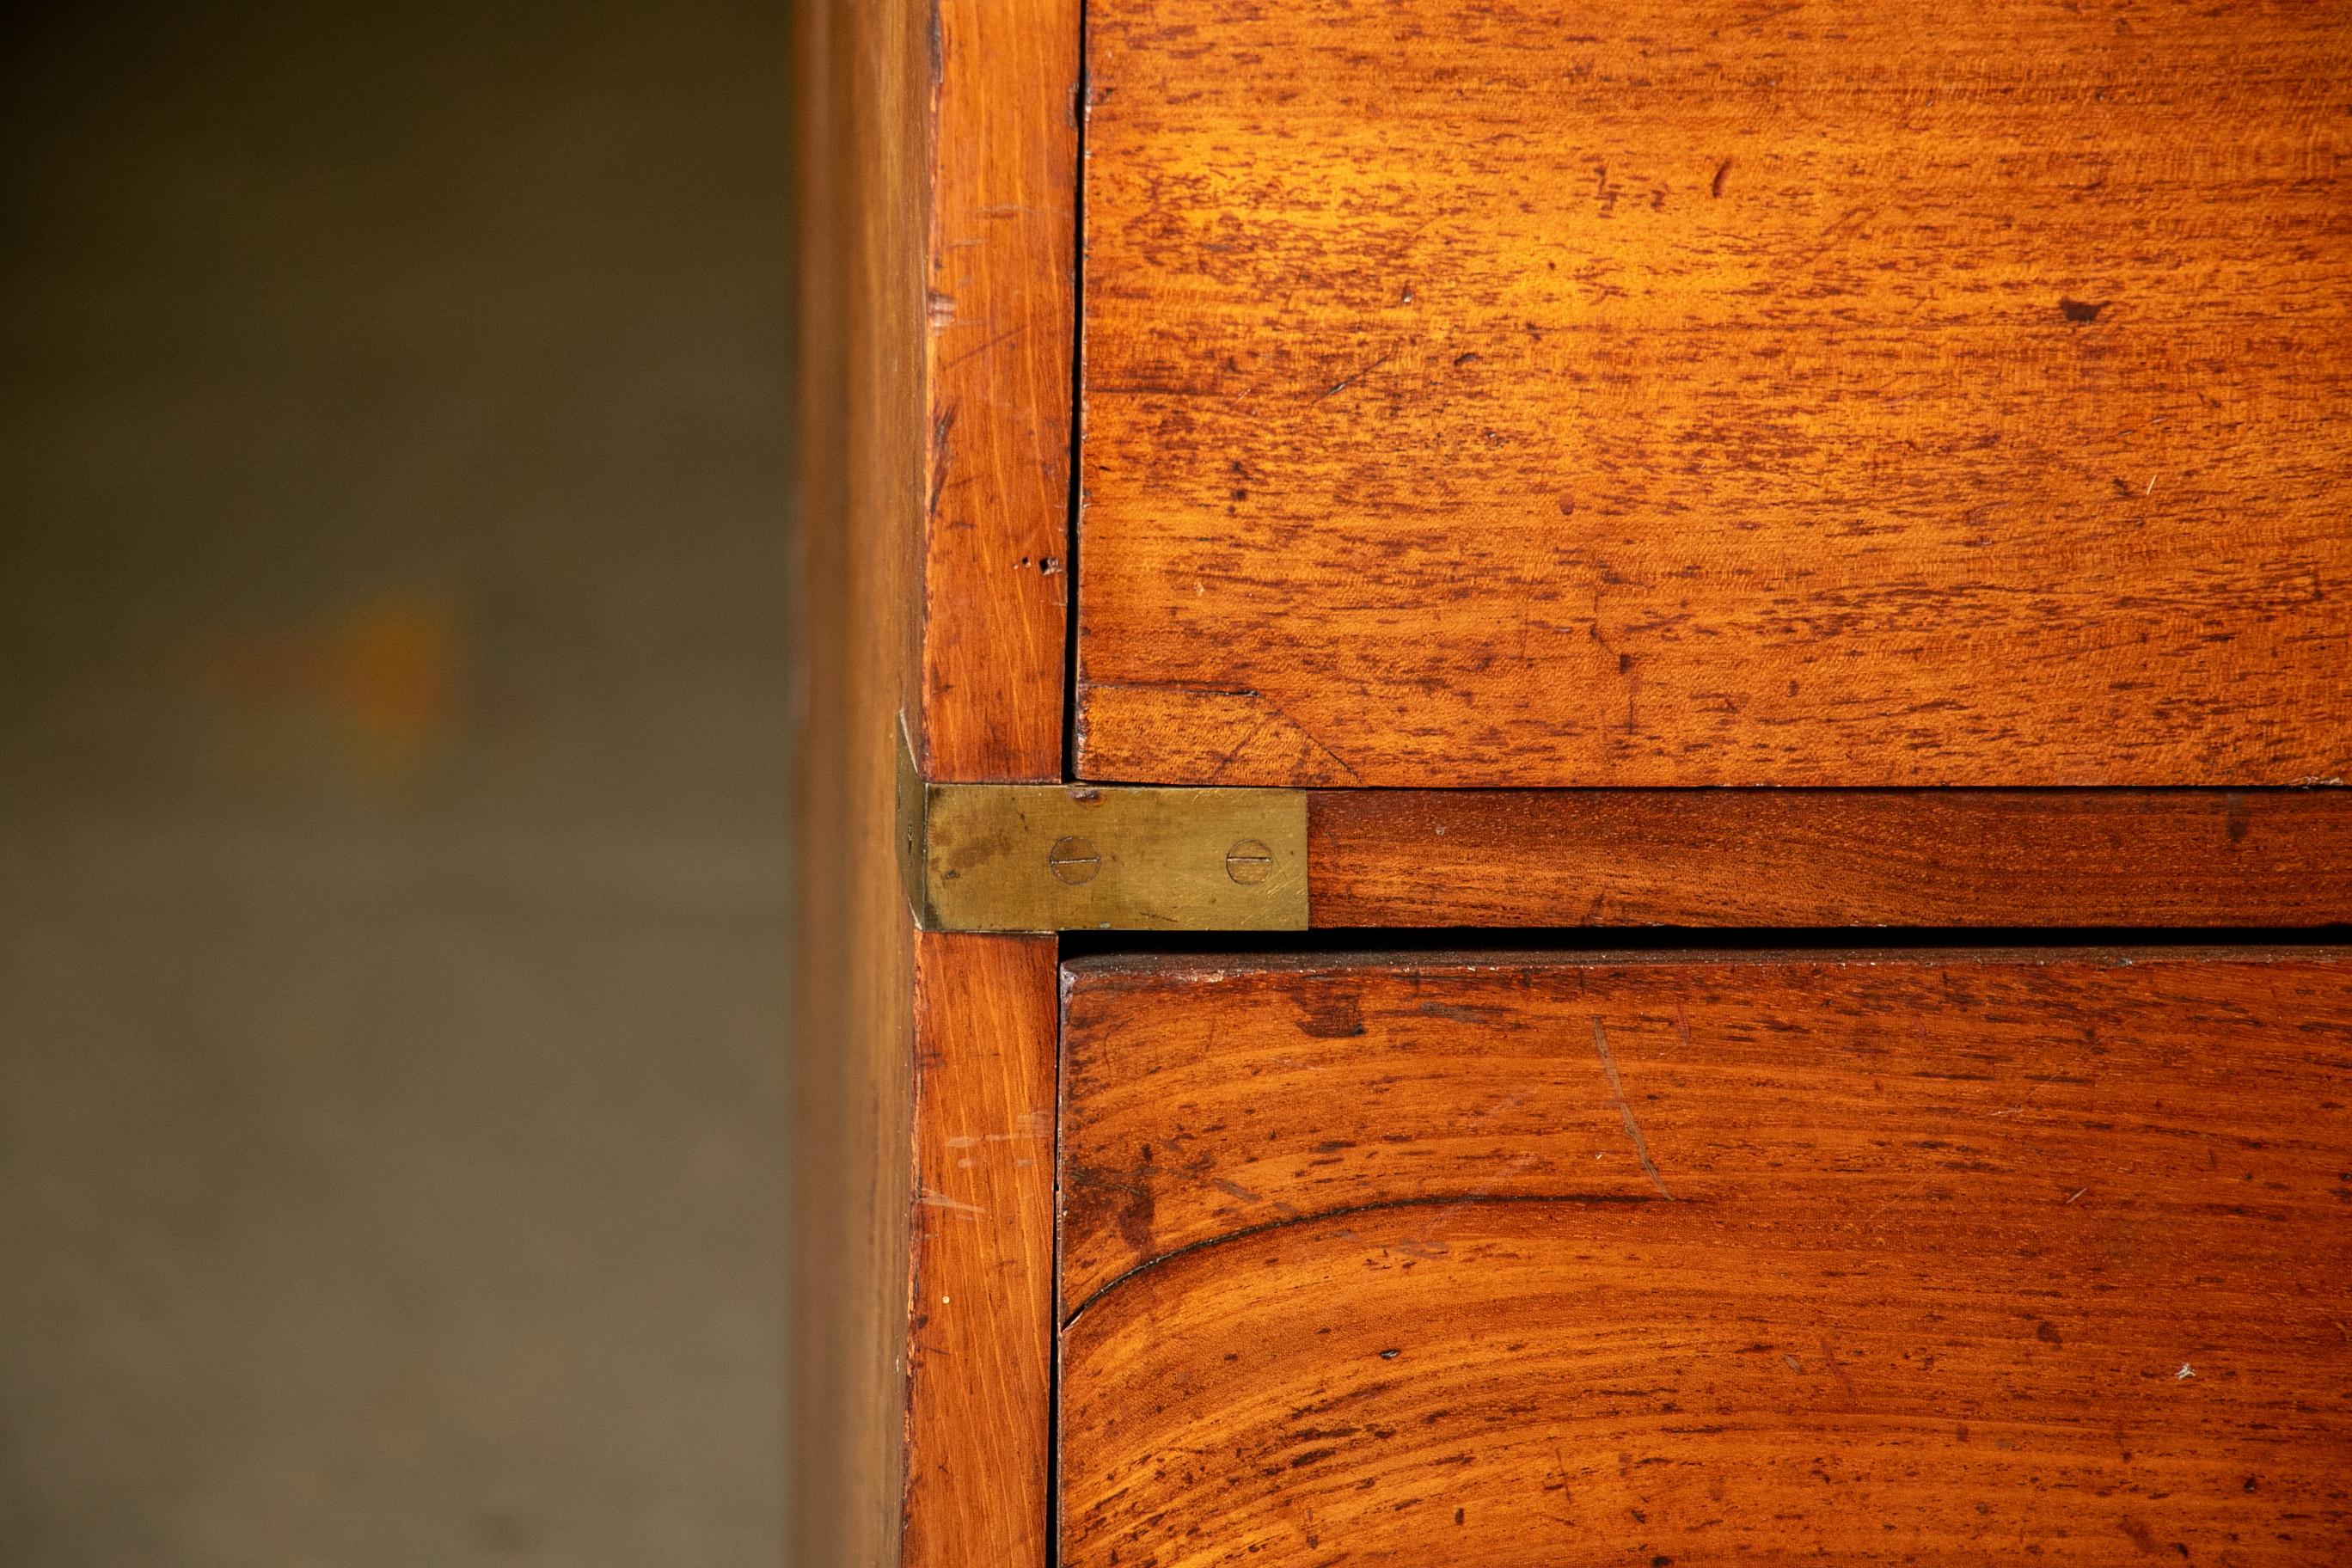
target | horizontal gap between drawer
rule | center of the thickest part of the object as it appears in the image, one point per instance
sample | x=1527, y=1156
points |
x=1422, y=940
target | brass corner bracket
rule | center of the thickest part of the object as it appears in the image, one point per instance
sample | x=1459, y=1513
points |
x=1043, y=857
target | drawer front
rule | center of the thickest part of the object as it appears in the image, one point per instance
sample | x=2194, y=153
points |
x=1904, y=1256
x=1691, y=394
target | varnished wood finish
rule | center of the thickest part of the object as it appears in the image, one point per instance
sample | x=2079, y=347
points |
x=980, y=1346
x=935, y=276
x=1002, y=236
x=859, y=70
x=1907, y=1257
x=1660, y=398
x=1674, y=394
x=1830, y=858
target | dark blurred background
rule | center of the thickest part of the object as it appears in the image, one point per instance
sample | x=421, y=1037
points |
x=395, y=692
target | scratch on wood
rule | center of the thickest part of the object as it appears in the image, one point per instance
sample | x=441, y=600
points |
x=1837, y=1370
x=1239, y=747
x=1317, y=742
x=1271, y=712
x=931, y=1200
x=1424, y=1242
x=1352, y=377
x=942, y=427
x=980, y=348
x=1632, y=1128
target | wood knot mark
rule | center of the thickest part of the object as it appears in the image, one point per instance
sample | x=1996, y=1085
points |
x=1135, y=1215
x=2079, y=310
x=1127, y=1195
x=1328, y=1015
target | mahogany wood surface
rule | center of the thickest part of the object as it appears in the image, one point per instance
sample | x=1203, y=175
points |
x=1899, y=1256
x=1678, y=394
x=1830, y=858
x=980, y=1359
x=934, y=273
x=858, y=70
x=999, y=310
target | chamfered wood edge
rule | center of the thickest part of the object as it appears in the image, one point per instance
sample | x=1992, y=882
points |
x=860, y=281
x=1931, y=858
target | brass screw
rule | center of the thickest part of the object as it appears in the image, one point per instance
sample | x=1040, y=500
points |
x=1074, y=860
x=1249, y=861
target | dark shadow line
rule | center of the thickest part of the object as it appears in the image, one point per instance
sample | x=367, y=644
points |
x=1078, y=107
x=1502, y=944
x=1053, y=1522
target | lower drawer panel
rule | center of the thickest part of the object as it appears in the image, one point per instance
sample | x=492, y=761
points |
x=1899, y=1256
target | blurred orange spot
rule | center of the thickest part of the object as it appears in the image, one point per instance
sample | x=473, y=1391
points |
x=398, y=675
x=386, y=670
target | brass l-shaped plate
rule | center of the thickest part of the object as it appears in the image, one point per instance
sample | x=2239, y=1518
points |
x=1041, y=857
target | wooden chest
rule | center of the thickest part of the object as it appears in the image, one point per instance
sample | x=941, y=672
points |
x=1574, y=783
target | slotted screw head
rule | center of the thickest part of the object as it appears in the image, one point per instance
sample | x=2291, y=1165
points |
x=1249, y=861
x=1074, y=860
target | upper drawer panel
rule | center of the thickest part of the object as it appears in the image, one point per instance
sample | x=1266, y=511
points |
x=1693, y=394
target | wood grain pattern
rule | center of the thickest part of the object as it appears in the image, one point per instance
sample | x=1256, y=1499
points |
x=1907, y=1257
x=1830, y=858
x=860, y=70
x=980, y=1359
x=927, y=469
x=1683, y=394
x=1000, y=312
